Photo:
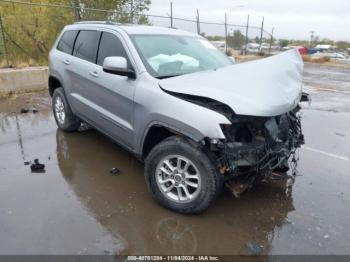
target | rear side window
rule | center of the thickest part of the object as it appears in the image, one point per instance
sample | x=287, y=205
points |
x=110, y=45
x=67, y=41
x=86, y=45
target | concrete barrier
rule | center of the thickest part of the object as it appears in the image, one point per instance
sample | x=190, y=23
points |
x=23, y=80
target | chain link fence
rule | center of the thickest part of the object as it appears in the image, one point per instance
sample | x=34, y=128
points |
x=28, y=29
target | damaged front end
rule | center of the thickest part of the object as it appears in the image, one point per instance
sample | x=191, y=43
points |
x=255, y=145
x=258, y=147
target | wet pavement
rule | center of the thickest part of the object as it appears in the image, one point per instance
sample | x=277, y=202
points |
x=78, y=207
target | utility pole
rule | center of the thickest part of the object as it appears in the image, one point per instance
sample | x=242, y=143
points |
x=198, y=24
x=312, y=32
x=271, y=40
x=261, y=32
x=226, y=38
x=171, y=15
x=246, y=36
x=4, y=41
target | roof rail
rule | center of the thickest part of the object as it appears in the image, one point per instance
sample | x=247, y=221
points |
x=97, y=22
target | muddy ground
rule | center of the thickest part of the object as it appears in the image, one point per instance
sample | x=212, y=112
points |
x=78, y=207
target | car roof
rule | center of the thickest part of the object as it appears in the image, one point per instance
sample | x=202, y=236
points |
x=131, y=29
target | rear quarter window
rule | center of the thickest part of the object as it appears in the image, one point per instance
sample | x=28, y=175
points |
x=66, y=42
x=86, y=45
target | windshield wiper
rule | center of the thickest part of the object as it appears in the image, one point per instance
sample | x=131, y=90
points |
x=166, y=76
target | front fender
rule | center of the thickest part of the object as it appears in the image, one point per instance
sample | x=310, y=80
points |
x=197, y=124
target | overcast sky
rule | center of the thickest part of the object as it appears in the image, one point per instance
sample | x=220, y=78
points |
x=293, y=19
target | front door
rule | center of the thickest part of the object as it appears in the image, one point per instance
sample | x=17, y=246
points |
x=105, y=100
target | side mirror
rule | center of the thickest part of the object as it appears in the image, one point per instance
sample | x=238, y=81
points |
x=118, y=65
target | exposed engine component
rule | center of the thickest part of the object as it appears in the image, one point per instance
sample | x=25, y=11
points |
x=259, y=145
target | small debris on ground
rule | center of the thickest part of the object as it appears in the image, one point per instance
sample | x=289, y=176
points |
x=26, y=163
x=237, y=187
x=24, y=110
x=84, y=127
x=114, y=171
x=36, y=167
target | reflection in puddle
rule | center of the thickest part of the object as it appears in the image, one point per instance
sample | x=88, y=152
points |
x=123, y=205
x=180, y=238
x=19, y=135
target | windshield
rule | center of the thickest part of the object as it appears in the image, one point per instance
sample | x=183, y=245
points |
x=172, y=55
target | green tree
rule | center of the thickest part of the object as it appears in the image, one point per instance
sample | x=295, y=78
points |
x=133, y=11
x=236, y=41
x=31, y=29
x=139, y=7
x=284, y=42
x=326, y=41
x=215, y=38
x=342, y=44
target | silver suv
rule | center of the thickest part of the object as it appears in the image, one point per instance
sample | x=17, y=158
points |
x=196, y=119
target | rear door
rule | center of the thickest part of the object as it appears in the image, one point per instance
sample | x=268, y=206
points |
x=81, y=68
x=61, y=63
x=105, y=100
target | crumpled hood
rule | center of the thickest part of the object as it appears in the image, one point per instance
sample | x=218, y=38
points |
x=265, y=87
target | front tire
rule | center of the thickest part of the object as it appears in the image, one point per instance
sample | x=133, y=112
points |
x=181, y=176
x=62, y=112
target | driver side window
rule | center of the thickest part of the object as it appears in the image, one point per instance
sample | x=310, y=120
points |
x=110, y=45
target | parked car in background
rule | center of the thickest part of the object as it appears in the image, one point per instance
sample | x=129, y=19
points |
x=178, y=104
x=331, y=55
x=334, y=56
x=303, y=50
x=253, y=48
x=221, y=45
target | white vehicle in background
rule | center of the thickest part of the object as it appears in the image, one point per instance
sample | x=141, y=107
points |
x=253, y=48
x=221, y=45
x=334, y=56
x=331, y=55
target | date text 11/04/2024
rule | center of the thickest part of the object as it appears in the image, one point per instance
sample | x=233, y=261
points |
x=173, y=258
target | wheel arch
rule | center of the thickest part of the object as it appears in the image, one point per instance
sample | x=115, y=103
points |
x=54, y=83
x=157, y=132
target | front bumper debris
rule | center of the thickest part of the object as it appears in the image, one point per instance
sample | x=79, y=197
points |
x=260, y=145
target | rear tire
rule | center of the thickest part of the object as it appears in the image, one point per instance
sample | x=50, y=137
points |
x=62, y=112
x=178, y=163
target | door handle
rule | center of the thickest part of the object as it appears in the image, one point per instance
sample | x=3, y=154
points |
x=93, y=73
x=66, y=61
